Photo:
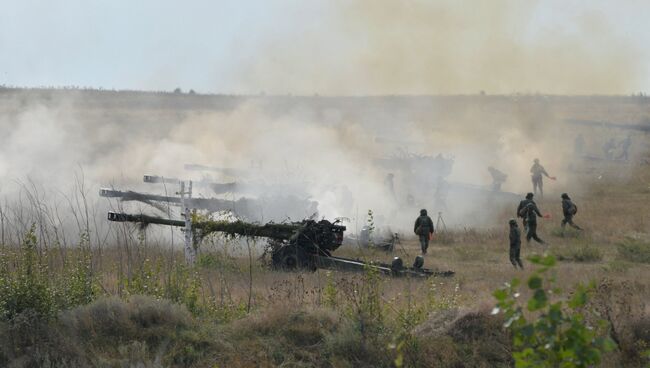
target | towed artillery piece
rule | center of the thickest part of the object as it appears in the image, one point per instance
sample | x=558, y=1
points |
x=249, y=188
x=275, y=208
x=306, y=245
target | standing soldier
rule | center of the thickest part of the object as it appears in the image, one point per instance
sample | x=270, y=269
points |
x=498, y=178
x=537, y=171
x=569, y=209
x=515, y=244
x=530, y=213
x=424, y=229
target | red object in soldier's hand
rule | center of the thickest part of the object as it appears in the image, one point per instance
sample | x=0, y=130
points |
x=547, y=216
x=553, y=178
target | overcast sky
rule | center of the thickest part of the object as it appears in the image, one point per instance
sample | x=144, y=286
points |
x=322, y=46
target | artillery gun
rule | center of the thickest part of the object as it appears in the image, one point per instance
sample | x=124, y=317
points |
x=254, y=188
x=275, y=208
x=306, y=245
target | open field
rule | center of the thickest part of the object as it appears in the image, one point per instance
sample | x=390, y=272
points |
x=117, y=296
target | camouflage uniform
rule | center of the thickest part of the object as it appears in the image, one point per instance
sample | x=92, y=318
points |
x=515, y=244
x=531, y=212
x=424, y=229
x=522, y=205
x=569, y=210
x=537, y=171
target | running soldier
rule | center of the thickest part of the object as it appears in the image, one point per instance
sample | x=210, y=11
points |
x=569, y=209
x=530, y=213
x=424, y=229
x=515, y=244
x=537, y=171
x=522, y=205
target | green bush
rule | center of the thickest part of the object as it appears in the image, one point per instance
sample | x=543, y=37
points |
x=634, y=251
x=28, y=284
x=558, y=335
x=26, y=287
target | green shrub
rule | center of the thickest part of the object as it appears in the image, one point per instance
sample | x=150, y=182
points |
x=330, y=292
x=558, y=335
x=27, y=287
x=634, y=251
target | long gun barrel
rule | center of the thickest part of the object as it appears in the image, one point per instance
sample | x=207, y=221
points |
x=143, y=219
x=275, y=208
x=605, y=124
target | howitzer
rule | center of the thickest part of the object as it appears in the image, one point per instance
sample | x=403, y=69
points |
x=276, y=208
x=254, y=188
x=307, y=244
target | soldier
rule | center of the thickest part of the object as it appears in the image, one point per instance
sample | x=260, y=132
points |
x=625, y=148
x=530, y=213
x=569, y=209
x=522, y=205
x=537, y=171
x=515, y=244
x=498, y=178
x=424, y=229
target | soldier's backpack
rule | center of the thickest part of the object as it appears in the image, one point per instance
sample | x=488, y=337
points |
x=523, y=212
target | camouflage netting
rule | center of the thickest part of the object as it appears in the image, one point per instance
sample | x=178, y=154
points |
x=240, y=228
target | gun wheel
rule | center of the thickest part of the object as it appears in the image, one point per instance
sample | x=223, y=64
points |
x=290, y=258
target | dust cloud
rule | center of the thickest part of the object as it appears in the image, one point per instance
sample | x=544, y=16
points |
x=383, y=47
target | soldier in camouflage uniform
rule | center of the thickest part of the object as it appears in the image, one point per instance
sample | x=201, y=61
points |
x=537, y=171
x=569, y=209
x=522, y=205
x=424, y=229
x=515, y=244
x=530, y=213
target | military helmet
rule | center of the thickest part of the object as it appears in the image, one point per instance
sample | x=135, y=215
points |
x=536, y=160
x=397, y=264
x=565, y=196
x=529, y=195
x=419, y=262
x=512, y=221
x=423, y=212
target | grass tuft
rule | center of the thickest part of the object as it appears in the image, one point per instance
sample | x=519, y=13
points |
x=633, y=250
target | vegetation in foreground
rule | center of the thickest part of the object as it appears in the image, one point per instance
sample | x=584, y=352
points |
x=60, y=314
